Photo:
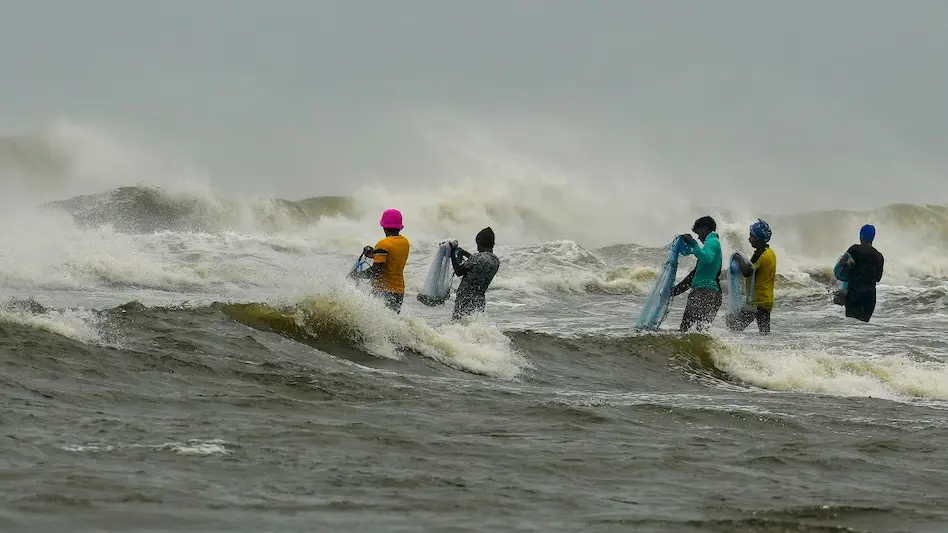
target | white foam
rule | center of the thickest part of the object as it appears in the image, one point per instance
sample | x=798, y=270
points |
x=837, y=371
x=196, y=447
x=475, y=345
x=82, y=325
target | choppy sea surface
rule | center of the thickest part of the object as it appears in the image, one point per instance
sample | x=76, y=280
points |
x=168, y=369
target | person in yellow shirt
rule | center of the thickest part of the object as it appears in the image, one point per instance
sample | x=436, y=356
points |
x=762, y=271
x=389, y=258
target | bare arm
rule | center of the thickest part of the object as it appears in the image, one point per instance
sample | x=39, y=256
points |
x=685, y=283
x=745, y=266
x=378, y=267
x=460, y=268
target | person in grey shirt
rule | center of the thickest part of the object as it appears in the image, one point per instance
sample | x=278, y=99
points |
x=476, y=272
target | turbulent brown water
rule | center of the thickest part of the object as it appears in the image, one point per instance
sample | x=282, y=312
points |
x=189, y=364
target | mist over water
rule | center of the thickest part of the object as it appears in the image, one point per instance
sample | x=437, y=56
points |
x=185, y=185
x=777, y=104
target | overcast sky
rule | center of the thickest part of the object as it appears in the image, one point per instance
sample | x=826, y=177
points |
x=819, y=103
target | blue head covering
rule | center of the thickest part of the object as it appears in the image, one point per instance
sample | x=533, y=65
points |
x=867, y=233
x=761, y=230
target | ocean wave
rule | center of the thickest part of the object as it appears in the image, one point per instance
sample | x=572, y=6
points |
x=740, y=363
x=150, y=208
x=44, y=255
x=557, y=234
x=912, y=237
x=835, y=370
x=144, y=209
x=134, y=190
x=351, y=319
x=337, y=322
x=346, y=321
x=84, y=325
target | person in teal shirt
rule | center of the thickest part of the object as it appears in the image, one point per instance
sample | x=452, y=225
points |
x=704, y=301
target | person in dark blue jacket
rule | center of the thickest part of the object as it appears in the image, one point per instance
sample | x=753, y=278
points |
x=865, y=271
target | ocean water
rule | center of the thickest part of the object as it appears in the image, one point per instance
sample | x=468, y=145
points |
x=186, y=361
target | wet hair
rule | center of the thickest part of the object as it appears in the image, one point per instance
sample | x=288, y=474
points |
x=705, y=222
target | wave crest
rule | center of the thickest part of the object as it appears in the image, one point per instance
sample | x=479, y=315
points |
x=143, y=209
x=342, y=320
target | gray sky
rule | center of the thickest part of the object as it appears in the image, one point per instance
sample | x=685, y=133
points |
x=815, y=103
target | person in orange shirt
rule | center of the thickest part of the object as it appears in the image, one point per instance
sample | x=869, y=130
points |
x=389, y=258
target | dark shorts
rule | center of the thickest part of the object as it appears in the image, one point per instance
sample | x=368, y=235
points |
x=702, y=307
x=467, y=305
x=860, y=304
x=393, y=300
x=740, y=320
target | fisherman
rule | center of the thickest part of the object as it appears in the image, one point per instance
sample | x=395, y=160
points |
x=476, y=272
x=704, y=281
x=704, y=301
x=389, y=258
x=762, y=269
x=865, y=271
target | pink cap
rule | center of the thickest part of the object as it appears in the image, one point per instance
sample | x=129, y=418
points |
x=391, y=219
